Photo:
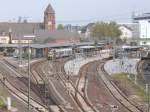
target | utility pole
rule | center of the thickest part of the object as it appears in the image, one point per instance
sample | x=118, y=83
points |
x=29, y=75
x=29, y=80
x=20, y=53
x=114, y=49
x=148, y=94
x=135, y=80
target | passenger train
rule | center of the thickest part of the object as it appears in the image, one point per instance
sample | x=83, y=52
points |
x=66, y=52
x=59, y=53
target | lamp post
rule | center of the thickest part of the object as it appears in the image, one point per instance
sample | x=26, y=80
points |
x=114, y=49
x=29, y=75
x=20, y=52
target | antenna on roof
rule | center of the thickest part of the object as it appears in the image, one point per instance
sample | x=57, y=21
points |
x=25, y=19
x=13, y=20
x=133, y=15
x=19, y=19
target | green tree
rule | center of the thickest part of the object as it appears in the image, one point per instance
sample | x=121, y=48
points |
x=105, y=31
x=2, y=104
x=60, y=27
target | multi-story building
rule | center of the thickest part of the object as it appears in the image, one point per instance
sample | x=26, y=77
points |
x=144, y=27
x=85, y=32
x=126, y=32
x=14, y=32
x=49, y=18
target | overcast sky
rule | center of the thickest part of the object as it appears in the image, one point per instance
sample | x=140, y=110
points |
x=73, y=11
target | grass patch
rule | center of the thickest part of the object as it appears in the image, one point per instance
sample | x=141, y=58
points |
x=128, y=85
x=2, y=104
x=14, y=104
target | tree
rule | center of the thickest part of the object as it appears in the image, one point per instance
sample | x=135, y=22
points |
x=105, y=31
x=60, y=27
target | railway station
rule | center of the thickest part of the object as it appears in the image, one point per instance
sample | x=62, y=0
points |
x=74, y=66
x=41, y=50
x=57, y=71
x=70, y=77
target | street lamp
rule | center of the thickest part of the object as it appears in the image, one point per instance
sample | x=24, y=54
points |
x=20, y=52
x=114, y=49
x=29, y=76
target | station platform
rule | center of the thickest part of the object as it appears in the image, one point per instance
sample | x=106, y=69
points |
x=119, y=65
x=72, y=67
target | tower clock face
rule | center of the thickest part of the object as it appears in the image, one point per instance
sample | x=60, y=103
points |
x=49, y=23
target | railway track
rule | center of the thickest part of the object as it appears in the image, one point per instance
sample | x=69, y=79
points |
x=23, y=78
x=24, y=97
x=19, y=93
x=115, y=91
x=42, y=79
x=83, y=105
x=39, y=81
x=82, y=86
x=120, y=98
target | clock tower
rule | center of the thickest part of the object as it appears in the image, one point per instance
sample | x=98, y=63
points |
x=49, y=18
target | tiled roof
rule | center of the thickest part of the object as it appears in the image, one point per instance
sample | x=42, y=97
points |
x=43, y=35
x=19, y=29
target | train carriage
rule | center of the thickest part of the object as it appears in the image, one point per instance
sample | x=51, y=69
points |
x=59, y=53
x=89, y=50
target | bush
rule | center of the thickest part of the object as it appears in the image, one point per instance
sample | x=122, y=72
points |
x=13, y=103
x=1, y=103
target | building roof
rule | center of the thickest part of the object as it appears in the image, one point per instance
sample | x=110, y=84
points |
x=126, y=27
x=134, y=28
x=19, y=29
x=50, y=45
x=142, y=16
x=88, y=26
x=46, y=36
x=49, y=9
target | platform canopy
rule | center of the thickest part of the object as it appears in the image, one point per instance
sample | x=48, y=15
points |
x=48, y=45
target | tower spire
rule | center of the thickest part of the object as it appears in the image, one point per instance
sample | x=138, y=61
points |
x=49, y=9
x=49, y=18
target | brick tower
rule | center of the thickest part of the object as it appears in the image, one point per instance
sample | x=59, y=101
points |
x=49, y=18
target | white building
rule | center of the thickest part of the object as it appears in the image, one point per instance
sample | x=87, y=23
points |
x=126, y=32
x=144, y=28
x=145, y=31
x=4, y=39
